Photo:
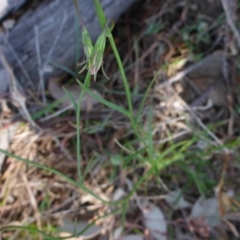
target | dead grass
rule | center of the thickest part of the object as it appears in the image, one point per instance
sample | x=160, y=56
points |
x=194, y=128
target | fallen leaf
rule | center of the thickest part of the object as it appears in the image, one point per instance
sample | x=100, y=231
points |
x=58, y=93
x=72, y=227
x=154, y=220
x=207, y=78
x=207, y=209
x=176, y=200
x=119, y=193
x=117, y=233
x=211, y=66
x=132, y=237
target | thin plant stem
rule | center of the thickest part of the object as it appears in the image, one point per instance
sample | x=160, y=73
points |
x=125, y=83
x=102, y=21
x=78, y=117
x=78, y=13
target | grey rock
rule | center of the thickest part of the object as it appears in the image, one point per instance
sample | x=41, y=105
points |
x=49, y=32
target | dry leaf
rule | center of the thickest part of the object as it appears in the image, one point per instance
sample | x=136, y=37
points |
x=211, y=66
x=207, y=78
x=119, y=193
x=117, y=235
x=207, y=209
x=132, y=237
x=154, y=220
x=72, y=226
x=58, y=93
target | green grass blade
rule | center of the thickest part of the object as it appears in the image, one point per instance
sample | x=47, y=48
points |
x=100, y=14
x=64, y=68
x=46, y=109
x=104, y=101
x=149, y=134
x=70, y=96
x=78, y=117
x=40, y=166
x=102, y=21
x=145, y=97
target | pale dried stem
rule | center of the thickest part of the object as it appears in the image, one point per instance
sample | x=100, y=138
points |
x=32, y=201
x=40, y=66
x=200, y=123
x=179, y=76
x=171, y=138
x=56, y=113
x=56, y=39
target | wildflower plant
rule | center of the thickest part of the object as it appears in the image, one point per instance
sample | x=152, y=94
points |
x=93, y=53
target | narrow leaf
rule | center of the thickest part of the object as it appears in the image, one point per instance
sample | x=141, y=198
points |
x=154, y=221
x=70, y=96
x=100, y=14
x=104, y=101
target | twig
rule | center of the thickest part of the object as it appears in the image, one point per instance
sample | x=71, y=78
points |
x=57, y=36
x=33, y=200
x=200, y=123
x=40, y=67
x=171, y=138
x=231, y=227
x=225, y=4
x=56, y=113
x=199, y=100
x=203, y=108
x=64, y=150
x=203, y=126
